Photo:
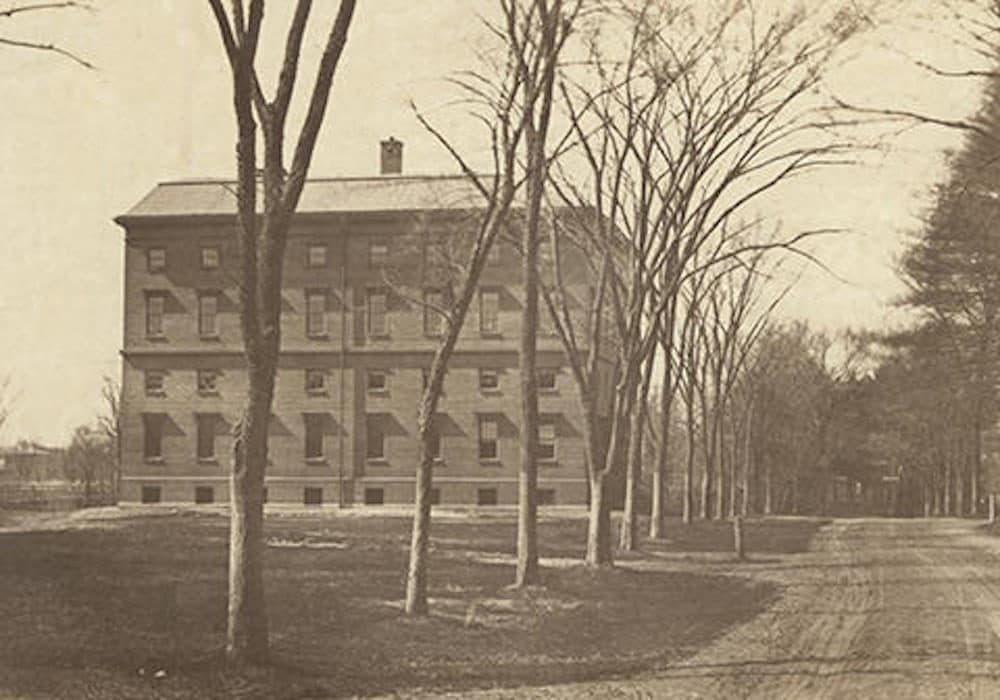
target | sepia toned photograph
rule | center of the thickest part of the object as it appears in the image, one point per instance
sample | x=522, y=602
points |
x=499, y=349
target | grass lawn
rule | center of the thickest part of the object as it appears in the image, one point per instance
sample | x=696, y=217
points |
x=102, y=609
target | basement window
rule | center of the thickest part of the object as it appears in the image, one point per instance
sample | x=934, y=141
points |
x=315, y=381
x=204, y=495
x=489, y=380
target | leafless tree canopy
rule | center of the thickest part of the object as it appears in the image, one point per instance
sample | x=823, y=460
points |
x=8, y=28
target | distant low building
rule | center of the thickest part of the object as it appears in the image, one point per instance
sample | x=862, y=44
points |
x=29, y=461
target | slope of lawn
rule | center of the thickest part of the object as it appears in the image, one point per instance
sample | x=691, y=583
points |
x=133, y=606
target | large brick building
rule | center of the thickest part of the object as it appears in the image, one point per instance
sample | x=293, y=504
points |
x=356, y=341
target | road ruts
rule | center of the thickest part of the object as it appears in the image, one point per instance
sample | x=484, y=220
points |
x=876, y=609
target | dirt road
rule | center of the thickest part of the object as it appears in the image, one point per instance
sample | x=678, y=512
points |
x=875, y=609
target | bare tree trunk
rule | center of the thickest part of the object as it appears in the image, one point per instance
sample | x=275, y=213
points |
x=689, y=462
x=720, y=462
x=708, y=447
x=628, y=534
x=599, y=552
x=527, y=506
x=247, y=637
x=527, y=572
x=975, y=468
x=960, y=489
x=938, y=491
x=656, y=513
x=733, y=481
x=949, y=490
x=705, y=511
x=747, y=463
x=768, y=491
x=416, y=577
x=689, y=482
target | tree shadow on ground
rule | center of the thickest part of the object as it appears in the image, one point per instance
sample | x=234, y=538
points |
x=113, y=607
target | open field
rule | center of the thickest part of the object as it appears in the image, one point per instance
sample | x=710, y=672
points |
x=99, y=604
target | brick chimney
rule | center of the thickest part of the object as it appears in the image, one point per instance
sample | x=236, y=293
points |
x=392, y=157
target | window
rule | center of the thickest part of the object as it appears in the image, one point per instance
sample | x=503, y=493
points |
x=150, y=494
x=208, y=381
x=435, y=496
x=489, y=380
x=205, y=423
x=204, y=494
x=155, y=381
x=546, y=497
x=434, y=442
x=488, y=448
x=316, y=257
x=377, y=325
x=374, y=497
x=152, y=435
x=315, y=381
x=208, y=315
x=547, y=379
x=374, y=440
x=489, y=312
x=486, y=497
x=314, y=436
x=377, y=381
x=433, y=320
x=378, y=254
x=315, y=313
x=210, y=258
x=155, y=304
x=545, y=251
x=156, y=259
x=312, y=496
x=546, y=439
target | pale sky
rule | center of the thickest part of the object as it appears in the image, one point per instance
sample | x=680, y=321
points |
x=80, y=147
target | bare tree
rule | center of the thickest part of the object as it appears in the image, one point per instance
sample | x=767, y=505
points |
x=514, y=97
x=537, y=32
x=13, y=11
x=458, y=282
x=261, y=236
x=90, y=461
x=7, y=398
x=676, y=134
x=667, y=394
x=109, y=423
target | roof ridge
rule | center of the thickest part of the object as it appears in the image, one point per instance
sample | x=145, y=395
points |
x=329, y=178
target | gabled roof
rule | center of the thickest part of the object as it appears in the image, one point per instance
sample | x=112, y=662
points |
x=386, y=193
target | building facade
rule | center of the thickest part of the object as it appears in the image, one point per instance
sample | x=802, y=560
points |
x=361, y=275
